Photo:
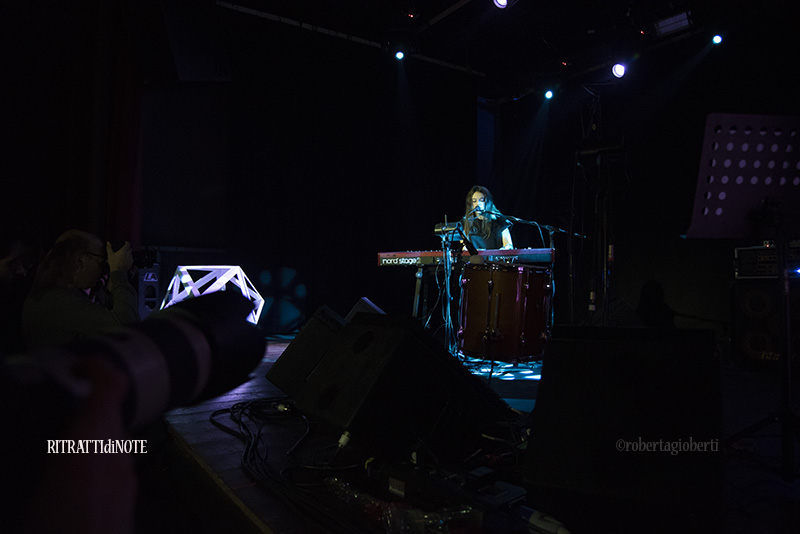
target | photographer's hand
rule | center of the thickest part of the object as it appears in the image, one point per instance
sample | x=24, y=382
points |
x=120, y=260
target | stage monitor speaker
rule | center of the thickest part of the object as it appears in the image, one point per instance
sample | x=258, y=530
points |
x=396, y=391
x=364, y=305
x=306, y=351
x=626, y=431
x=758, y=320
x=308, y=348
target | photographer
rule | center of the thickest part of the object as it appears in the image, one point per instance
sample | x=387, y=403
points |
x=62, y=307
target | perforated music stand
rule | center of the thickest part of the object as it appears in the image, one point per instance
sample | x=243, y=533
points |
x=749, y=172
x=748, y=186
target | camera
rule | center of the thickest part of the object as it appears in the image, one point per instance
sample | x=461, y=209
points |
x=195, y=350
x=192, y=351
x=142, y=259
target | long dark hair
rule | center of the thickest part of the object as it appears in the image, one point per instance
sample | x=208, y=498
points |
x=473, y=225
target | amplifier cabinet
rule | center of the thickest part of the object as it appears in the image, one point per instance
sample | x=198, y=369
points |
x=758, y=319
x=762, y=262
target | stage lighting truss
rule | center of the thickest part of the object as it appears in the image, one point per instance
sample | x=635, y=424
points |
x=195, y=280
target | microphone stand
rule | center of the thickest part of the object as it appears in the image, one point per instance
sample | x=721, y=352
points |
x=552, y=230
x=447, y=262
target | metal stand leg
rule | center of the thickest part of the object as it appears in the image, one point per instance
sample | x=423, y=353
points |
x=416, y=312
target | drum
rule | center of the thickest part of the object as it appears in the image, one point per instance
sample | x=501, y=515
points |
x=503, y=315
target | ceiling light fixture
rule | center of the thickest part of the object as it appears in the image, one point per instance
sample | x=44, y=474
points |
x=673, y=24
x=502, y=4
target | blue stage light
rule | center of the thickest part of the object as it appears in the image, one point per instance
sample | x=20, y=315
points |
x=618, y=70
x=399, y=55
x=548, y=95
x=717, y=39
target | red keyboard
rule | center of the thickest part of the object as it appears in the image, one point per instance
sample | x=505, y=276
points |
x=418, y=258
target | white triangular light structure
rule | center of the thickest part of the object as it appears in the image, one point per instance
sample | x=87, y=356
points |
x=191, y=281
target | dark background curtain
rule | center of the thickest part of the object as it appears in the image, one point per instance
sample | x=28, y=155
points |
x=223, y=138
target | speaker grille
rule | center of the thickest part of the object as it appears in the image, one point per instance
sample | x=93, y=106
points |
x=758, y=320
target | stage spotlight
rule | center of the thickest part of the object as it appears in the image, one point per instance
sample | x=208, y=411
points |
x=717, y=39
x=502, y=4
x=548, y=94
x=398, y=48
x=618, y=70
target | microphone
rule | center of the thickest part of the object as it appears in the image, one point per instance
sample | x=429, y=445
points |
x=497, y=215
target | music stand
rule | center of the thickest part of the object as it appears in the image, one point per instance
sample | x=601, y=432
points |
x=748, y=186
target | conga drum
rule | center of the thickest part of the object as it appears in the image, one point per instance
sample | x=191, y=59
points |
x=504, y=309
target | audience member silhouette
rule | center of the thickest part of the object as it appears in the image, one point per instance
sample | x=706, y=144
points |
x=652, y=308
x=19, y=253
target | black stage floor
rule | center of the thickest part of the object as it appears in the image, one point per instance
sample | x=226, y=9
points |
x=193, y=480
